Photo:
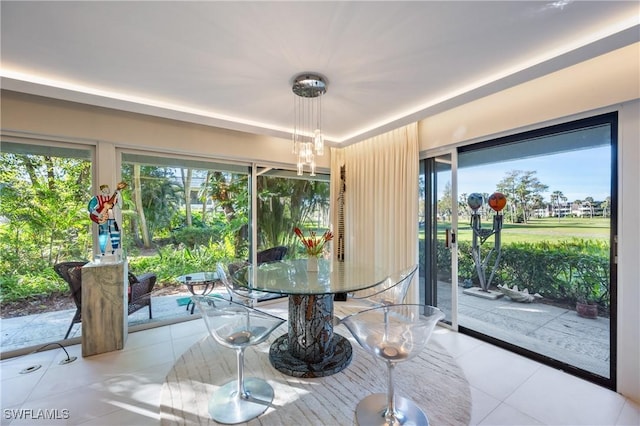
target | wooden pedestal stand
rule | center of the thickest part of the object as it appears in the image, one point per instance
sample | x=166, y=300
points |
x=104, y=307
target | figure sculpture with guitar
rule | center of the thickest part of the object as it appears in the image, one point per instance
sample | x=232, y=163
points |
x=101, y=212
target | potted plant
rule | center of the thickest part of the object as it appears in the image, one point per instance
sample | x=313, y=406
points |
x=588, y=290
x=587, y=308
x=314, y=246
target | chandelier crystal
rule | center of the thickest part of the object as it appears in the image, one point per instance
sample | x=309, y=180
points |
x=308, y=141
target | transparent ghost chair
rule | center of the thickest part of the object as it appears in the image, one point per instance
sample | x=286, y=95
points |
x=394, y=334
x=391, y=291
x=238, y=293
x=237, y=326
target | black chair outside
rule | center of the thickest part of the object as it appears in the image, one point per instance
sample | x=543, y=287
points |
x=140, y=288
x=271, y=254
x=71, y=273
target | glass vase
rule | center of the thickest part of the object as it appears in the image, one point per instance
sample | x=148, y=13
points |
x=312, y=264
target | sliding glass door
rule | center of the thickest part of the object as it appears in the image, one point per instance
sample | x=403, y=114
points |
x=437, y=229
x=44, y=189
x=535, y=269
x=182, y=216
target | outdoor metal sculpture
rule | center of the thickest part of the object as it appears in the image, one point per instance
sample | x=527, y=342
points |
x=497, y=201
x=518, y=295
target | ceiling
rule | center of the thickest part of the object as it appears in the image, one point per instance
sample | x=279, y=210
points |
x=231, y=64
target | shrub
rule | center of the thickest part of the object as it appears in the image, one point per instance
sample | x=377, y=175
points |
x=28, y=285
x=565, y=271
x=171, y=262
x=191, y=236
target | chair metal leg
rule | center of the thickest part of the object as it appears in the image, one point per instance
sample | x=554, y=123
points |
x=69, y=330
x=76, y=319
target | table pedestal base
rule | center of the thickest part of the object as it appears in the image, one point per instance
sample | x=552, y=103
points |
x=283, y=361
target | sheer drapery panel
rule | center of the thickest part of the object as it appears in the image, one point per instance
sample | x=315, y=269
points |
x=380, y=200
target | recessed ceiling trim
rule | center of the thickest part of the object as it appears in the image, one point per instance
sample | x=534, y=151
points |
x=33, y=85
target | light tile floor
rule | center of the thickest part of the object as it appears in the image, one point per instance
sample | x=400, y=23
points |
x=124, y=387
x=548, y=330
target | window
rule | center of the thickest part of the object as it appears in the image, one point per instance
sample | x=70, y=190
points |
x=43, y=220
x=286, y=201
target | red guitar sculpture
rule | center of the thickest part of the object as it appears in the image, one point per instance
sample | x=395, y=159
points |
x=103, y=214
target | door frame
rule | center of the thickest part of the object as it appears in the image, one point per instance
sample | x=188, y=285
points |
x=430, y=171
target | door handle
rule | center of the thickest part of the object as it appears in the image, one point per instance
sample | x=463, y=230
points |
x=450, y=238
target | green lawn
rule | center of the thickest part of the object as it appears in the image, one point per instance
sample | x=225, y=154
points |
x=547, y=229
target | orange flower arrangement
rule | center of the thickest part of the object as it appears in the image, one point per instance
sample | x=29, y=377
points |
x=313, y=244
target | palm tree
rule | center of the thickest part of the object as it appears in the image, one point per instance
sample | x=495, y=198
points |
x=588, y=202
x=606, y=205
x=186, y=184
x=230, y=192
x=161, y=197
x=557, y=197
x=137, y=201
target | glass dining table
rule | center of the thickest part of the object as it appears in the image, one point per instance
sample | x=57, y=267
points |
x=310, y=348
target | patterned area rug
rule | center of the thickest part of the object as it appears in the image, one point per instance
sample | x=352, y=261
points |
x=433, y=380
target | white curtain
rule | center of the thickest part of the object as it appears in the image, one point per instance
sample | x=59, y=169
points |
x=380, y=200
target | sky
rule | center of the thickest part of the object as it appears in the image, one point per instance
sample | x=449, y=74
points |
x=577, y=174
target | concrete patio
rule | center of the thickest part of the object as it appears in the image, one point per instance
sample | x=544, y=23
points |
x=549, y=330
x=32, y=330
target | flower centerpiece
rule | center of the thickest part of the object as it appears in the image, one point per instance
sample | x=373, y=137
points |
x=313, y=245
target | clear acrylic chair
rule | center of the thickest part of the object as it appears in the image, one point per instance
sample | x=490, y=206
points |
x=391, y=291
x=238, y=293
x=237, y=326
x=394, y=334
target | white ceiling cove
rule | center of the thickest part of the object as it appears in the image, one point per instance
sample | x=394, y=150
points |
x=231, y=64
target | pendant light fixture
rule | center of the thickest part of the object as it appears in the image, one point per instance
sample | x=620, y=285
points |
x=308, y=141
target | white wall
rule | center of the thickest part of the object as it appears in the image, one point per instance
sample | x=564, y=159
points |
x=629, y=252
x=608, y=83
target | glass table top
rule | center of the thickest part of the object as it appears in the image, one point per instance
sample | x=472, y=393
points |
x=292, y=277
x=198, y=277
